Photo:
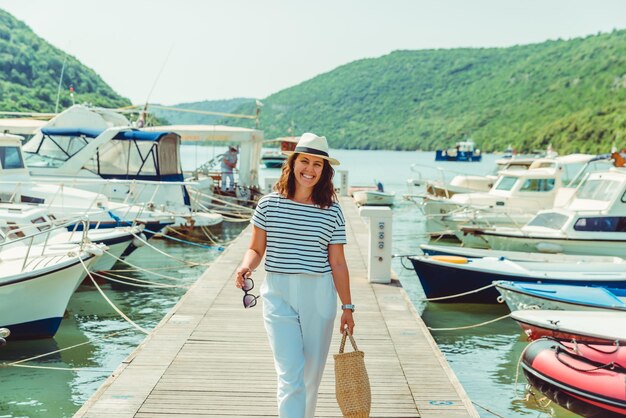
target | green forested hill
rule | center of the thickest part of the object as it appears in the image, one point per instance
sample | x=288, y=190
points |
x=569, y=93
x=176, y=117
x=30, y=70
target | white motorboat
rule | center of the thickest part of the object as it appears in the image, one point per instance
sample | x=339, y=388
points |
x=513, y=200
x=36, y=283
x=20, y=220
x=597, y=327
x=373, y=198
x=64, y=202
x=593, y=222
x=275, y=159
x=464, y=183
x=97, y=150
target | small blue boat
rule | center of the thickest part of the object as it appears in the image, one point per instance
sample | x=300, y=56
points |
x=562, y=297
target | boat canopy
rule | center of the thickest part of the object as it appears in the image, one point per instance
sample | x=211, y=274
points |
x=128, y=135
x=130, y=153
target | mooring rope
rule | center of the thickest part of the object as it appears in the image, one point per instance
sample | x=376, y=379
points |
x=459, y=294
x=138, y=282
x=471, y=326
x=161, y=235
x=130, y=321
x=190, y=263
x=142, y=269
x=18, y=363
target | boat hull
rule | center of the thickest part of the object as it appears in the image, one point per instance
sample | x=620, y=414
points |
x=616, y=248
x=440, y=279
x=33, y=306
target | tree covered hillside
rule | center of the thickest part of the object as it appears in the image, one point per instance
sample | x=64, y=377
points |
x=30, y=69
x=569, y=93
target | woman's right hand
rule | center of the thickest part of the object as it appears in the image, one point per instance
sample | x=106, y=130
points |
x=241, y=274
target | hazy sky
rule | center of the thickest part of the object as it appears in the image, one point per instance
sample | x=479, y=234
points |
x=210, y=50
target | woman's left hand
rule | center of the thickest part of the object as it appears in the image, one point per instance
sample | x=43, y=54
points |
x=347, y=320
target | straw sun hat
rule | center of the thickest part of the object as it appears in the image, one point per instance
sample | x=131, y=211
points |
x=314, y=145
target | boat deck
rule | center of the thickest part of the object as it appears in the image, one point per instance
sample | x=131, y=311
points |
x=209, y=357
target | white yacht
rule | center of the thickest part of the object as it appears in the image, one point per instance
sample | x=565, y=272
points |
x=21, y=220
x=64, y=202
x=513, y=200
x=592, y=222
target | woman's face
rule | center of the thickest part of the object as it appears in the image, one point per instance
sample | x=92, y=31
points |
x=307, y=170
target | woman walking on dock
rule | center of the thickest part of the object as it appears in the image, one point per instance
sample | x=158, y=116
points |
x=302, y=228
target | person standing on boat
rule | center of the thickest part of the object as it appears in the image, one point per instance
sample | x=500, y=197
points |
x=302, y=228
x=229, y=162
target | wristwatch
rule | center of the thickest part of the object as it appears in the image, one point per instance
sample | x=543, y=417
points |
x=347, y=306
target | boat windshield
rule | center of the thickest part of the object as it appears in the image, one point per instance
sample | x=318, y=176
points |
x=506, y=183
x=53, y=150
x=537, y=185
x=599, y=189
x=552, y=220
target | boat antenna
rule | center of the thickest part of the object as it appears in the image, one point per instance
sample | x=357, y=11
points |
x=56, y=106
x=142, y=114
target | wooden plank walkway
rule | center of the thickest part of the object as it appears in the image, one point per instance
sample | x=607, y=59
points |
x=209, y=357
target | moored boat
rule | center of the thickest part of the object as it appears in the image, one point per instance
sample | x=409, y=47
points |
x=443, y=276
x=275, y=159
x=593, y=222
x=373, y=198
x=36, y=283
x=462, y=151
x=587, y=380
x=468, y=252
x=583, y=326
x=542, y=295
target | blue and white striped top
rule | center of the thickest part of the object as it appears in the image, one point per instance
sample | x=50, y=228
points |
x=298, y=235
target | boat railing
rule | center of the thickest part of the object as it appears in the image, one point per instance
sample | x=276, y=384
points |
x=94, y=203
x=29, y=240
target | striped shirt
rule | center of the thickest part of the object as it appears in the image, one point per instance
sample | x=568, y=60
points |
x=298, y=235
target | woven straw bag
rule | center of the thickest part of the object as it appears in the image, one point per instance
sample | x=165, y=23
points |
x=352, y=386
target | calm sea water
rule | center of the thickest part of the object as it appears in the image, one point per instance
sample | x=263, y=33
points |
x=484, y=359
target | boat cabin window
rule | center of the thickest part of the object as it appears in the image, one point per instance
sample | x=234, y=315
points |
x=537, y=185
x=12, y=231
x=598, y=189
x=53, y=150
x=506, y=183
x=552, y=220
x=43, y=224
x=11, y=157
x=601, y=224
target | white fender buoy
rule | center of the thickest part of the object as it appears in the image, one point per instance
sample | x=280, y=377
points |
x=548, y=247
x=139, y=240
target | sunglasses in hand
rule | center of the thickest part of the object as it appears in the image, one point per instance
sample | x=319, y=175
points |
x=249, y=300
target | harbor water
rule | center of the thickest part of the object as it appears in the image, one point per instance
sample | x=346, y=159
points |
x=485, y=359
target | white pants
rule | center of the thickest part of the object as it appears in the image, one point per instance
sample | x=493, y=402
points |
x=228, y=181
x=299, y=312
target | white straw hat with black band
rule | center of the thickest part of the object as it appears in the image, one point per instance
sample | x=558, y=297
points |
x=314, y=145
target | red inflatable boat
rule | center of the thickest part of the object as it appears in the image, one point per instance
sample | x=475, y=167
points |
x=589, y=380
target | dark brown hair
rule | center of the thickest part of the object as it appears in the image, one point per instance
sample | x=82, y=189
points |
x=323, y=193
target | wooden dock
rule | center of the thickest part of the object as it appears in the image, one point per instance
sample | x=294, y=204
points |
x=209, y=357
